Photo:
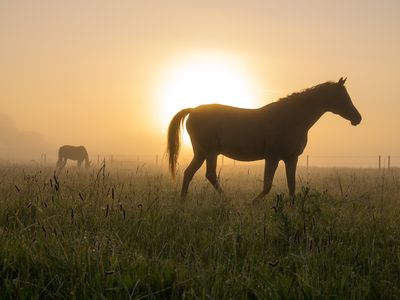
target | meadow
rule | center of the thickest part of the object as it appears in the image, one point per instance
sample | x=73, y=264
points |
x=123, y=233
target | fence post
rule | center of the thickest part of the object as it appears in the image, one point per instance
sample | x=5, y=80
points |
x=43, y=158
x=379, y=162
x=388, y=162
x=307, y=162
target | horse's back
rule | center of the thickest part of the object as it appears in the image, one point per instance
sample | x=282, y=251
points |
x=220, y=129
x=72, y=152
x=243, y=134
x=210, y=118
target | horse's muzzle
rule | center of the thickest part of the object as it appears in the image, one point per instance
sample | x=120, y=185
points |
x=356, y=120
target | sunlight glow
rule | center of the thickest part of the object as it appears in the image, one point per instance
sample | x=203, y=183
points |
x=204, y=79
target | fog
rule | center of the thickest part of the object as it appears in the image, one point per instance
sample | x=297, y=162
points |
x=86, y=73
x=17, y=144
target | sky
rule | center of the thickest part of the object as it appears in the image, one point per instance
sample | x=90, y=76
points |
x=98, y=73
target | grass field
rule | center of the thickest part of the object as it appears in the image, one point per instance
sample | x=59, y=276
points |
x=124, y=234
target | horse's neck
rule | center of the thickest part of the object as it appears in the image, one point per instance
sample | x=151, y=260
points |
x=308, y=111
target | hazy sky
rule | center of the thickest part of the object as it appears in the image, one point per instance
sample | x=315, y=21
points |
x=89, y=72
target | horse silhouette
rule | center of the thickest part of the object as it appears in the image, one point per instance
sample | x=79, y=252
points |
x=77, y=153
x=274, y=132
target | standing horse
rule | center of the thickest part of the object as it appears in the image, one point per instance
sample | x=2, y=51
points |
x=77, y=153
x=277, y=131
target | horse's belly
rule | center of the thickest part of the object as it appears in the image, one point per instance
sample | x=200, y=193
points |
x=243, y=148
x=243, y=156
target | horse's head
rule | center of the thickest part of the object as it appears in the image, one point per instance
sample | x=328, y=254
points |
x=341, y=104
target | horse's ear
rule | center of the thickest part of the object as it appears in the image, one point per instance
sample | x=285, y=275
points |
x=342, y=81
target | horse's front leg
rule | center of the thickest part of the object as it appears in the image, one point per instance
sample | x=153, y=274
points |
x=59, y=162
x=63, y=163
x=290, y=166
x=269, y=172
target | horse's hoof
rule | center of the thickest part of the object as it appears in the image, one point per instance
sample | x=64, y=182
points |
x=256, y=201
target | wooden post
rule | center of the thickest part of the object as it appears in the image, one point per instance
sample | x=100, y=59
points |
x=379, y=163
x=388, y=162
x=307, y=162
x=43, y=158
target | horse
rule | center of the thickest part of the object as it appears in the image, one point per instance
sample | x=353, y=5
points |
x=77, y=153
x=277, y=131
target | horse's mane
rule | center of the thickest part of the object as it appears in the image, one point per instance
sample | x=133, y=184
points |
x=307, y=93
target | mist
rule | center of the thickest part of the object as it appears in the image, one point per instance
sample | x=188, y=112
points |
x=87, y=73
x=17, y=144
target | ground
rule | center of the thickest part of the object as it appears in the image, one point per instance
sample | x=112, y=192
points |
x=115, y=232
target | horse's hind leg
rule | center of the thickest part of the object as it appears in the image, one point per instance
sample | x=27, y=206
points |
x=211, y=172
x=194, y=165
x=269, y=172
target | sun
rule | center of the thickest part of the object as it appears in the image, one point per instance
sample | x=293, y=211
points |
x=204, y=79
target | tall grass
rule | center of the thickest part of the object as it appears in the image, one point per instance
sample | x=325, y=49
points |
x=114, y=233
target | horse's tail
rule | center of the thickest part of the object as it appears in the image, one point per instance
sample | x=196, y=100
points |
x=86, y=157
x=174, y=138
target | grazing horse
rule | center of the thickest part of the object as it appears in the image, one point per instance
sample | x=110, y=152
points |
x=77, y=153
x=274, y=132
